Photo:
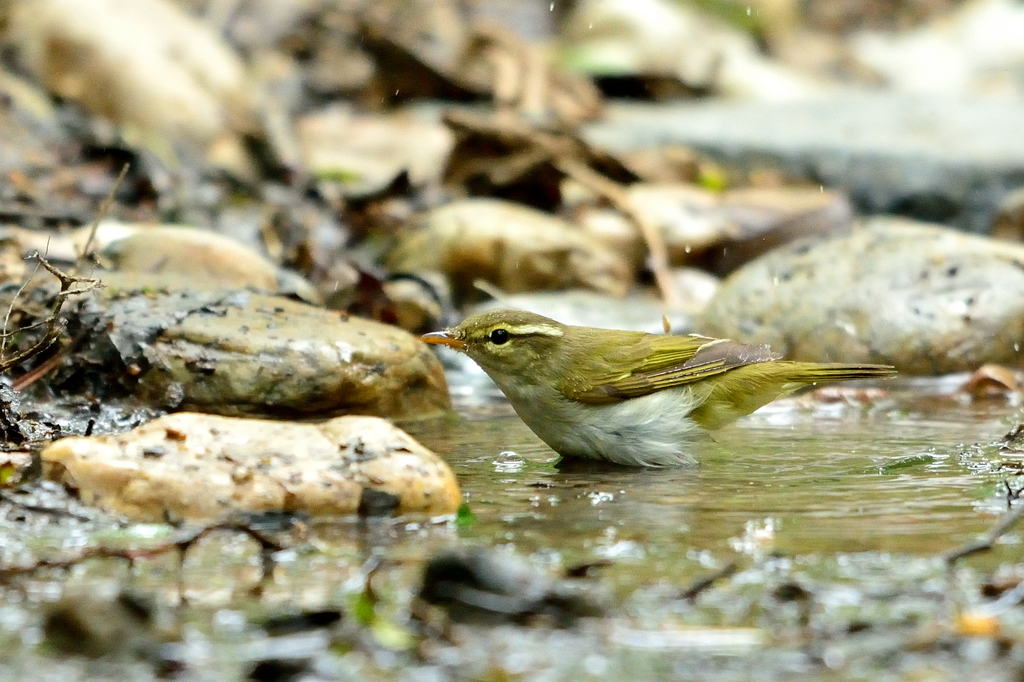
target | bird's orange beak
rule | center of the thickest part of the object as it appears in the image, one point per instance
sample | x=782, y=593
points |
x=443, y=339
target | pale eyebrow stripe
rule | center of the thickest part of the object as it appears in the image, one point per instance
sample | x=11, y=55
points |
x=533, y=329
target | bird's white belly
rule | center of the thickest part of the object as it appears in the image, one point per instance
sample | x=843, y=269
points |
x=653, y=430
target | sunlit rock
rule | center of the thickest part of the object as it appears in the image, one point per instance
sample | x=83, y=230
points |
x=196, y=467
x=973, y=50
x=660, y=38
x=510, y=246
x=364, y=154
x=196, y=256
x=143, y=64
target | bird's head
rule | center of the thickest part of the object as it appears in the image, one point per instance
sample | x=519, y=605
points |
x=505, y=342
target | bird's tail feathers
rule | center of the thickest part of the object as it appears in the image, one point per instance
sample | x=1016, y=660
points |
x=816, y=372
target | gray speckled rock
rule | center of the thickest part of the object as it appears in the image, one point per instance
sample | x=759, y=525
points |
x=926, y=299
x=933, y=158
x=265, y=355
x=242, y=353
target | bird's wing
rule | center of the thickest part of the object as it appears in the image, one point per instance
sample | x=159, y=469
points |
x=669, y=361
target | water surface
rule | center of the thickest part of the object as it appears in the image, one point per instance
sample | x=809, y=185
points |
x=911, y=474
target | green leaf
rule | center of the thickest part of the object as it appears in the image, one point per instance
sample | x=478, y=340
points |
x=365, y=608
x=712, y=179
x=344, y=176
x=464, y=517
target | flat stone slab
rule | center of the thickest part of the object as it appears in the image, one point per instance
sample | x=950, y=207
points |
x=939, y=159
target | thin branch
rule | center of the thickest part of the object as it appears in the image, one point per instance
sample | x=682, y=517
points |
x=38, y=509
x=1004, y=525
x=54, y=325
x=38, y=372
x=620, y=199
x=707, y=581
x=10, y=309
x=181, y=544
x=100, y=215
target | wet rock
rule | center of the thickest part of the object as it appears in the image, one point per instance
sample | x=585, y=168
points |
x=1013, y=441
x=926, y=299
x=992, y=381
x=510, y=246
x=363, y=155
x=931, y=158
x=160, y=256
x=195, y=256
x=145, y=64
x=195, y=467
x=271, y=354
x=247, y=353
x=14, y=428
x=41, y=503
x=480, y=586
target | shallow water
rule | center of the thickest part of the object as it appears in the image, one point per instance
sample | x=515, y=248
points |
x=906, y=474
x=852, y=502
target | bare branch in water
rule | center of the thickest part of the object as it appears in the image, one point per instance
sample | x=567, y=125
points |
x=1002, y=527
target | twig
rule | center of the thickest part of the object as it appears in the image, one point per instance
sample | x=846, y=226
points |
x=704, y=583
x=37, y=373
x=489, y=289
x=54, y=325
x=10, y=309
x=182, y=544
x=986, y=543
x=570, y=157
x=100, y=215
x=620, y=199
x=39, y=509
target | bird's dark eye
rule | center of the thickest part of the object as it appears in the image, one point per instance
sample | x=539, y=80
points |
x=498, y=336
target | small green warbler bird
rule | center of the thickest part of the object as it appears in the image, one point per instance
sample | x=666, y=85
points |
x=629, y=397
